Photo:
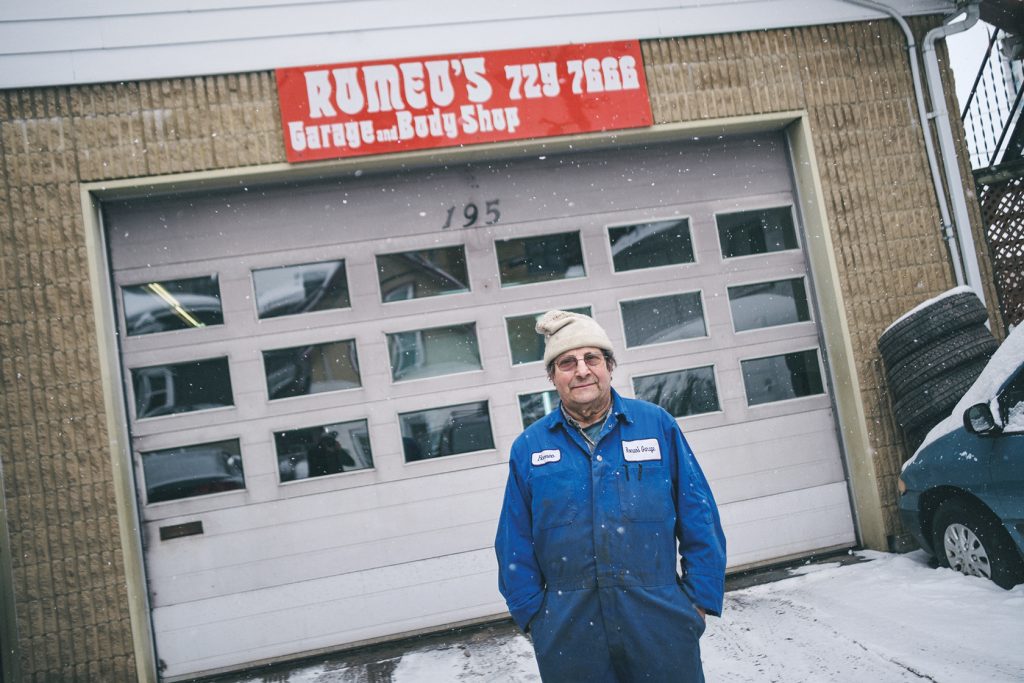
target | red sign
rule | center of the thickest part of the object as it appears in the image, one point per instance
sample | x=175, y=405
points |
x=345, y=110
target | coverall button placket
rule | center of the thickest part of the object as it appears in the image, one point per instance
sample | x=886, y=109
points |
x=608, y=576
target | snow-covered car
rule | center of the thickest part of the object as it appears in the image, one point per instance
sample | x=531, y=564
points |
x=962, y=492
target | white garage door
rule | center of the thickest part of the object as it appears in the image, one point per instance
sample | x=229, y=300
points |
x=323, y=380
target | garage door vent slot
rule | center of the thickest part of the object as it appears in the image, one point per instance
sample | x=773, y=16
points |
x=181, y=530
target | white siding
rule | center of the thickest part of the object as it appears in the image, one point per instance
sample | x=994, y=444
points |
x=66, y=42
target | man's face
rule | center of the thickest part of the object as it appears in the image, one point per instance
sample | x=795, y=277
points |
x=581, y=385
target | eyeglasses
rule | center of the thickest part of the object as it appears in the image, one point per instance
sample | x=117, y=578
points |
x=569, y=363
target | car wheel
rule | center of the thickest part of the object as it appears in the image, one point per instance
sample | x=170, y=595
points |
x=974, y=544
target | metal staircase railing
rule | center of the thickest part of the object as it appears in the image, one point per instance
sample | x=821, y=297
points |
x=994, y=127
x=992, y=113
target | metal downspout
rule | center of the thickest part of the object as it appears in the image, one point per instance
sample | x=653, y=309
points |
x=922, y=113
x=947, y=146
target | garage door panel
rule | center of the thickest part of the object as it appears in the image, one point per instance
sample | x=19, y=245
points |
x=269, y=572
x=672, y=355
x=541, y=191
x=678, y=353
x=770, y=429
x=779, y=468
x=351, y=491
x=739, y=269
x=795, y=406
x=362, y=499
x=427, y=313
x=171, y=431
x=159, y=344
x=320, y=623
x=788, y=524
x=336, y=588
x=770, y=337
x=374, y=531
x=754, y=344
x=159, y=271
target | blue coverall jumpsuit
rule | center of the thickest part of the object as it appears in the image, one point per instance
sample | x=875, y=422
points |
x=586, y=548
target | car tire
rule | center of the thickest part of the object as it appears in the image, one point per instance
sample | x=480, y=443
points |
x=974, y=543
x=940, y=358
x=933, y=401
x=915, y=437
x=921, y=328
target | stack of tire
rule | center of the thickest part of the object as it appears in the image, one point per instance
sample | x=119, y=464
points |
x=931, y=359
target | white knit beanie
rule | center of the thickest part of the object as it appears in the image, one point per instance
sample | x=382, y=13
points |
x=564, y=331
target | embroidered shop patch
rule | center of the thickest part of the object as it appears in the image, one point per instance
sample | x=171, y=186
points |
x=640, y=450
x=544, y=457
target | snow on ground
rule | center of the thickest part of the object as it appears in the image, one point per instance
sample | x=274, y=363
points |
x=892, y=618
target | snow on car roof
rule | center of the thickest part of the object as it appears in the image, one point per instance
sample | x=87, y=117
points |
x=1007, y=358
x=923, y=304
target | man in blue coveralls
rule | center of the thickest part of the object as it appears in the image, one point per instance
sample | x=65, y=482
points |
x=600, y=492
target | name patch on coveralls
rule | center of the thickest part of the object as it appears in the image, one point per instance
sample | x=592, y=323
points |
x=545, y=457
x=640, y=450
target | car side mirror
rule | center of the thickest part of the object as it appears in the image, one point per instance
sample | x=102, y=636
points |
x=978, y=419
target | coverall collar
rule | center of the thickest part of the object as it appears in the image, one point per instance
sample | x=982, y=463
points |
x=555, y=418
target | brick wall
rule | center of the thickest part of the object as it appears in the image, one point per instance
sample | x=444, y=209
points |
x=69, y=579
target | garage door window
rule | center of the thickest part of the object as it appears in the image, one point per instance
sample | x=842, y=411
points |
x=540, y=259
x=767, y=304
x=533, y=407
x=526, y=345
x=323, y=450
x=648, y=245
x=181, y=387
x=663, y=319
x=782, y=377
x=417, y=274
x=288, y=290
x=451, y=430
x=172, y=305
x=432, y=352
x=756, y=232
x=681, y=393
x=189, y=471
x=311, y=369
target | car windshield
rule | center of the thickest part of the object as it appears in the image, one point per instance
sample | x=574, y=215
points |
x=1011, y=402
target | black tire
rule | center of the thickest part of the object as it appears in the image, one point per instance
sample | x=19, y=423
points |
x=921, y=328
x=973, y=543
x=913, y=438
x=934, y=400
x=940, y=358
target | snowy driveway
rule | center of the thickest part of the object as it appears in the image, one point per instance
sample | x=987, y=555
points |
x=890, y=619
